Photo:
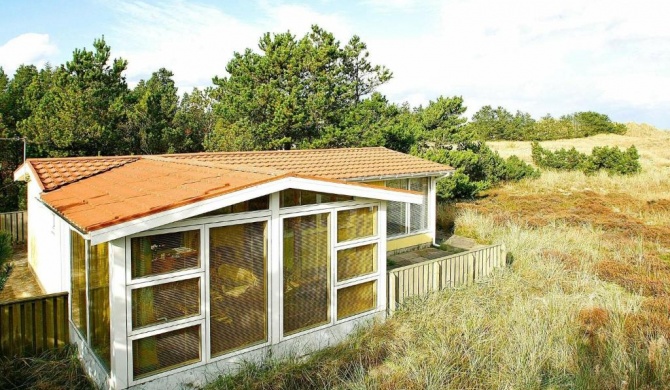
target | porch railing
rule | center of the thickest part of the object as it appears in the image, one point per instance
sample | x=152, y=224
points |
x=446, y=272
x=16, y=223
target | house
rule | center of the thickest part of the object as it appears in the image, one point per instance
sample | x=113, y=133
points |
x=180, y=266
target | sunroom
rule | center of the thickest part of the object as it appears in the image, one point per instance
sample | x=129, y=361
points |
x=177, y=279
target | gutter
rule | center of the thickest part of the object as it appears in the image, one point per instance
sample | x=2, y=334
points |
x=61, y=216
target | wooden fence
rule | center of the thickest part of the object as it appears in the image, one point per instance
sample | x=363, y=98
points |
x=16, y=223
x=32, y=325
x=446, y=272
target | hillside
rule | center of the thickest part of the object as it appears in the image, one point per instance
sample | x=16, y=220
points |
x=584, y=304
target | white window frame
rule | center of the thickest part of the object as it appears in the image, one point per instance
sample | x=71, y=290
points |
x=87, y=304
x=154, y=280
x=332, y=209
x=408, y=208
x=131, y=379
x=208, y=335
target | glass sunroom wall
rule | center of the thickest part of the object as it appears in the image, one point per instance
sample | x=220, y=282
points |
x=238, y=287
x=165, y=291
x=89, y=302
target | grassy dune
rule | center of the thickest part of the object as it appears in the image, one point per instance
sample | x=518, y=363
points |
x=585, y=303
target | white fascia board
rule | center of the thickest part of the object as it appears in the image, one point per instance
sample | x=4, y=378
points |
x=207, y=205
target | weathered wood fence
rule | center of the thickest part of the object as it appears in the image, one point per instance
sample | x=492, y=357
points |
x=31, y=325
x=446, y=272
x=16, y=223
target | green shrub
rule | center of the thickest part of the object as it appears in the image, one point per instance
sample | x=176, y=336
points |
x=5, y=255
x=610, y=159
x=478, y=168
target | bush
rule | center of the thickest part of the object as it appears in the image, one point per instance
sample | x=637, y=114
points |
x=610, y=159
x=5, y=255
x=477, y=168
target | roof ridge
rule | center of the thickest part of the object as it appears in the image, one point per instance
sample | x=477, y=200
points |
x=79, y=158
x=270, y=151
x=207, y=164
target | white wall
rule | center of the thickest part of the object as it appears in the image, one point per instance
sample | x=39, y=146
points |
x=45, y=243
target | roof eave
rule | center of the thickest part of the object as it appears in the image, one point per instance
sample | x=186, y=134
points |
x=152, y=221
x=439, y=174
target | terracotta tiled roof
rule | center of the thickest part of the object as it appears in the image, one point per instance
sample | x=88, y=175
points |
x=142, y=188
x=346, y=164
x=96, y=192
x=57, y=172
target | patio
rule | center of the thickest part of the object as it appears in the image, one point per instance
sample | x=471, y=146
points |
x=22, y=282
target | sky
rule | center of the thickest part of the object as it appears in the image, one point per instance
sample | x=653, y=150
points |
x=536, y=56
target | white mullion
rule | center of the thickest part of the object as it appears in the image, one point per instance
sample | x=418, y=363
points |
x=205, y=301
x=333, y=265
x=381, y=256
x=87, y=254
x=275, y=279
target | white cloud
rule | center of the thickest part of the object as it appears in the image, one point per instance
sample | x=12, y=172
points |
x=540, y=57
x=556, y=57
x=30, y=48
x=196, y=41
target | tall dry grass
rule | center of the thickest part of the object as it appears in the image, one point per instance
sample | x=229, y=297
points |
x=585, y=303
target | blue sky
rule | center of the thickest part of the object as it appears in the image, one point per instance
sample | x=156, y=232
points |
x=535, y=56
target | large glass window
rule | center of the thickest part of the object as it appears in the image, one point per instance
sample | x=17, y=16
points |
x=238, y=286
x=165, y=253
x=78, y=301
x=98, y=292
x=407, y=218
x=89, y=307
x=306, y=271
x=166, y=351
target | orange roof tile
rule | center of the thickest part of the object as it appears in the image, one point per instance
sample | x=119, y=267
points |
x=346, y=164
x=57, y=172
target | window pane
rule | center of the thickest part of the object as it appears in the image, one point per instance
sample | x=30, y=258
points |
x=306, y=270
x=356, y=299
x=356, y=223
x=357, y=261
x=238, y=286
x=256, y=204
x=98, y=292
x=164, y=253
x=419, y=212
x=78, y=281
x=395, y=218
x=293, y=197
x=165, y=302
x=166, y=351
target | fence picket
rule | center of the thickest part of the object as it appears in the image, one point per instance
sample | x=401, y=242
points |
x=16, y=223
x=32, y=325
x=446, y=272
